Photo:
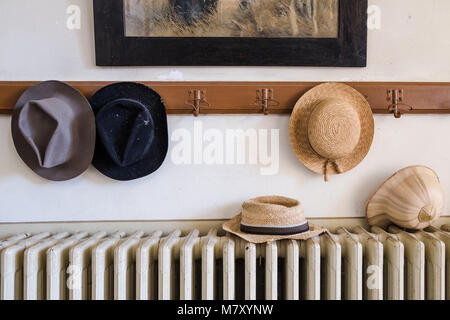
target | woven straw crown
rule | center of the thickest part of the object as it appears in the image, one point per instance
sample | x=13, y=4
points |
x=272, y=218
x=272, y=211
x=334, y=128
x=331, y=128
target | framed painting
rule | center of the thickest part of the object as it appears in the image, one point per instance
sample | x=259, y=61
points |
x=231, y=32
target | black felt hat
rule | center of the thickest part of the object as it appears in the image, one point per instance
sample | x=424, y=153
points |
x=132, y=137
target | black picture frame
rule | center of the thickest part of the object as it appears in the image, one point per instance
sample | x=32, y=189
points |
x=113, y=48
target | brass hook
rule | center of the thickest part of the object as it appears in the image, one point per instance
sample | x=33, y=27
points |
x=395, y=97
x=198, y=97
x=264, y=99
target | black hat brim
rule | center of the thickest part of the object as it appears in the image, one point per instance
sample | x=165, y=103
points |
x=158, y=150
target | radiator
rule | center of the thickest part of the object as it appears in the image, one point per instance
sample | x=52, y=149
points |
x=350, y=263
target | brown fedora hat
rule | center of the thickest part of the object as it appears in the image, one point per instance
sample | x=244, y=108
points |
x=272, y=218
x=331, y=128
x=53, y=128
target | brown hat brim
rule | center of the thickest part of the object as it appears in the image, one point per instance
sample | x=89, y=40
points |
x=234, y=226
x=298, y=129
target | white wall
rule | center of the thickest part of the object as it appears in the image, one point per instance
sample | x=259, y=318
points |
x=412, y=45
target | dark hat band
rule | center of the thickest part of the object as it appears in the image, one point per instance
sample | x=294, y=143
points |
x=276, y=231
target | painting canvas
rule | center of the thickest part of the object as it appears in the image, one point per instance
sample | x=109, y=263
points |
x=232, y=18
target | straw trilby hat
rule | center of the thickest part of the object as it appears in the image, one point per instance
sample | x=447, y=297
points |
x=272, y=218
x=331, y=128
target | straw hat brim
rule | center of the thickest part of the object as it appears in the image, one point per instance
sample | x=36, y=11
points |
x=233, y=226
x=298, y=129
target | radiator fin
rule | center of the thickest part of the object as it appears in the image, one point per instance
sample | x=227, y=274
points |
x=350, y=264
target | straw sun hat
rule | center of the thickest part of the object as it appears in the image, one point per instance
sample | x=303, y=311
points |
x=272, y=218
x=331, y=128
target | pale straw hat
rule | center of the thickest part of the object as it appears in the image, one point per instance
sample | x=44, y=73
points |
x=331, y=128
x=412, y=198
x=272, y=218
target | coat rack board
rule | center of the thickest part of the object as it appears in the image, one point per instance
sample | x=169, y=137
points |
x=266, y=97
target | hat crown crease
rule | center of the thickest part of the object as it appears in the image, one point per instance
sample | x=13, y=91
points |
x=334, y=128
x=141, y=122
x=134, y=121
x=52, y=141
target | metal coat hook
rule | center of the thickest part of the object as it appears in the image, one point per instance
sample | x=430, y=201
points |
x=264, y=99
x=198, y=99
x=397, y=106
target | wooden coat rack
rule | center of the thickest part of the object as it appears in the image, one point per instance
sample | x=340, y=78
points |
x=265, y=97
